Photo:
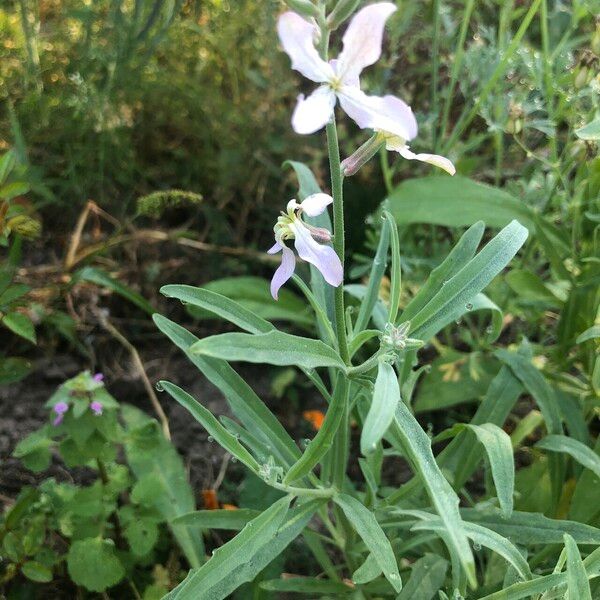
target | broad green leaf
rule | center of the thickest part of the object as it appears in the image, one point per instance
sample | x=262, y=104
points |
x=373, y=536
x=13, y=369
x=20, y=324
x=225, y=439
x=11, y=190
x=375, y=276
x=455, y=378
x=217, y=519
x=407, y=435
x=36, y=571
x=496, y=443
x=244, y=403
x=386, y=397
x=12, y=293
x=457, y=293
x=323, y=441
x=93, y=564
x=578, y=586
x=274, y=348
x=141, y=535
x=427, y=576
x=455, y=202
x=209, y=581
x=528, y=529
x=306, y=585
x=529, y=286
x=164, y=470
x=459, y=256
x=220, y=305
x=591, y=131
x=99, y=277
x=574, y=448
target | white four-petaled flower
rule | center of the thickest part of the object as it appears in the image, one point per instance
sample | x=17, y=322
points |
x=290, y=226
x=340, y=80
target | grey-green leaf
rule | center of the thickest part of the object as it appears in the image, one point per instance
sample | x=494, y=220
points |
x=225, y=439
x=386, y=397
x=579, y=451
x=373, y=536
x=274, y=348
x=578, y=586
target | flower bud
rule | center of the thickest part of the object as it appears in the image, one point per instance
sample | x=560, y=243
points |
x=342, y=11
x=25, y=226
x=304, y=8
x=515, y=121
x=363, y=155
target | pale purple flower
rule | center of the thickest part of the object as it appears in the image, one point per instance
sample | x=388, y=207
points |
x=290, y=226
x=60, y=408
x=340, y=80
x=98, y=377
x=96, y=408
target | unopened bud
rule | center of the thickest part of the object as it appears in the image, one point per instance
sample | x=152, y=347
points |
x=25, y=226
x=363, y=155
x=304, y=8
x=515, y=121
x=342, y=11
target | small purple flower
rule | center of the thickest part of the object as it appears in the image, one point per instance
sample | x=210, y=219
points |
x=60, y=409
x=98, y=377
x=96, y=408
x=306, y=239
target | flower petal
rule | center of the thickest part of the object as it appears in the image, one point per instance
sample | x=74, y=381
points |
x=297, y=38
x=322, y=257
x=275, y=248
x=362, y=40
x=434, y=159
x=284, y=271
x=312, y=113
x=315, y=204
x=388, y=113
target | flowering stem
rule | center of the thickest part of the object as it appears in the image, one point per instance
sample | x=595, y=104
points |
x=338, y=233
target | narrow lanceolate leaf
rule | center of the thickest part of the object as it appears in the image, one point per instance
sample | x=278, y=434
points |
x=323, y=441
x=307, y=585
x=222, y=306
x=497, y=445
x=488, y=538
x=530, y=529
x=243, y=401
x=406, y=434
x=202, y=583
x=248, y=565
x=427, y=576
x=459, y=291
x=536, y=385
x=217, y=519
x=383, y=407
x=578, y=586
x=368, y=571
x=372, y=535
x=273, y=348
x=375, y=276
x=579, y=451
x=459, y=256
x=396, y=274
x=225, y=439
